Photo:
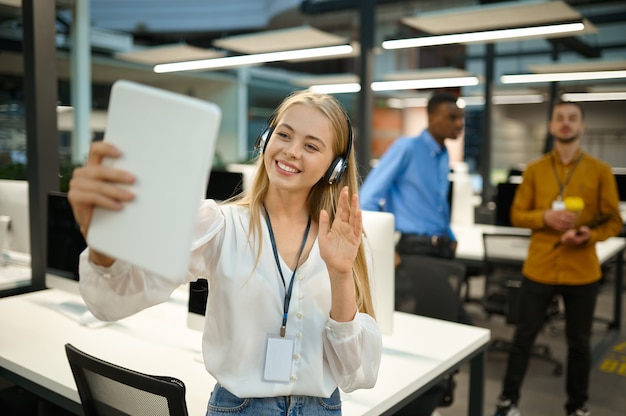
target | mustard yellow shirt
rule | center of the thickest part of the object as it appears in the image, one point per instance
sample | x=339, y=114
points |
x=592, y=180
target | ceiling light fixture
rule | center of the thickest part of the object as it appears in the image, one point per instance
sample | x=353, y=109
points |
x=241, y=60
x=417, y=84
x=336, y=88
x=485, y=36
x=594, y=96
x=562, y=76
x=518, y=99
x=396, y=85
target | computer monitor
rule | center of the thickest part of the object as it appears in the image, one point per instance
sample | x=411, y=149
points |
x=224, y=184
x=504, y=200
x=65, y=241
x=14, y=204
x=620, y=178
x=196, y=307
x=380, y=229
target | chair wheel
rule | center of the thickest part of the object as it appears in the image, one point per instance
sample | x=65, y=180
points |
x=558, y=370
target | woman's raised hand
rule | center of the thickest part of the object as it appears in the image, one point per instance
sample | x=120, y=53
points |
x=339, y=242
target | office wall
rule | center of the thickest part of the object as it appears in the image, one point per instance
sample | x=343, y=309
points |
x=519, y=133
x=390, y=124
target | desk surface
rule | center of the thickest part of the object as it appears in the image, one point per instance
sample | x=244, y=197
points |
x=157, y=341
x=470, y=243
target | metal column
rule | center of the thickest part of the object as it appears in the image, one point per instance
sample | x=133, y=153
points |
x=42, y=141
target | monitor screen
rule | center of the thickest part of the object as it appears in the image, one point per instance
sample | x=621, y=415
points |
x=620, y=178
x=504, y=200
x=65, y=242
x=198, y=295
x=224, y=184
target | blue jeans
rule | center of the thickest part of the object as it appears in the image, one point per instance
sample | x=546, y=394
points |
x=580, y=304
x=223, y=402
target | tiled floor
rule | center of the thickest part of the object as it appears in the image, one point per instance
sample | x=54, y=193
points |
x=543, y=392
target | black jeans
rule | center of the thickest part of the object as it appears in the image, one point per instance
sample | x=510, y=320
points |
x=580, y=304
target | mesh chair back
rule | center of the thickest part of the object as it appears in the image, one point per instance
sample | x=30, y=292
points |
x=106, y=389
x=504, y=255
x=438, y=293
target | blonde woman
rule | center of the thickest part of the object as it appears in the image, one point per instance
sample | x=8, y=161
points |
x=286, y=266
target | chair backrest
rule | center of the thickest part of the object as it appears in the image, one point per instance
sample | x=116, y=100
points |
x=503, y=258
x=438, y=289
x=106, y=389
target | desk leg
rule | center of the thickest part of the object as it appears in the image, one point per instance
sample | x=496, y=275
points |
x=477, y=384
x=617, y=304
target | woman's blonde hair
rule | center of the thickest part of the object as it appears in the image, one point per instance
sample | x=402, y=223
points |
x=323, y=195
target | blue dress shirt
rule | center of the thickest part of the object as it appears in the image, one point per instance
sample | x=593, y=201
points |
x=411, y=181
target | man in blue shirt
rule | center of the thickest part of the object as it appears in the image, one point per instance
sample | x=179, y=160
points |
x=411, y=181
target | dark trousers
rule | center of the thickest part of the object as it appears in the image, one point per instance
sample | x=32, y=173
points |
x=580, y=304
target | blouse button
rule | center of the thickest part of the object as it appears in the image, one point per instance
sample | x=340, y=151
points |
x=296, y=356
x=299, y=315
x=300, y=295
x=300, y=276
x=294, y=378
x=298, y=335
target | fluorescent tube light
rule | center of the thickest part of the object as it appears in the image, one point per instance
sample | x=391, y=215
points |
x=336, y=88
x=395, y=85
x=416, y=84
x=477, y=100
x=486, y=36
x=259, y=58
x=474, y=100
x=562, y=76
x=518, y=99
x=594, y=96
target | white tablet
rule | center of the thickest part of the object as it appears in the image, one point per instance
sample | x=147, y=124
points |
x=167, y=141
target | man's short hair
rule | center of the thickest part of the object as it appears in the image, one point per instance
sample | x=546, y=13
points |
x=574, y=103
x=440, y=98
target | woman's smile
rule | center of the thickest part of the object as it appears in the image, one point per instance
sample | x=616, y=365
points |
x=287, y=168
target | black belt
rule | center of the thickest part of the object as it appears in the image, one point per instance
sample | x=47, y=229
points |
x=437, y=245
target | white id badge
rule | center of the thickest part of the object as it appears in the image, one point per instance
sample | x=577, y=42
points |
x=278, y=359
x=558, y=205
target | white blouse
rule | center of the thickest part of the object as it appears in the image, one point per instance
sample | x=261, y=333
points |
x=245, y=304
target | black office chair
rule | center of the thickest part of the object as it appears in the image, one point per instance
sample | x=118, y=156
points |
x=503, y=278
x=437, y=294
x=106, y=389
x=437, y=290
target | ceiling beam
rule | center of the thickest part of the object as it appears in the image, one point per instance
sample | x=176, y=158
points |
x=574, y=44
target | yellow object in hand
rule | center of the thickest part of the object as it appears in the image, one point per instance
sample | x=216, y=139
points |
x=574, y=203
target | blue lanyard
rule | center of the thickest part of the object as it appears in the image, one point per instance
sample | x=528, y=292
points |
x=287, y=300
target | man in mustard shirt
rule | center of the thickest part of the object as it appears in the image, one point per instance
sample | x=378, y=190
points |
x=562, y=256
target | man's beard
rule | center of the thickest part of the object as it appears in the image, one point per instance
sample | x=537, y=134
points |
x=567, y=139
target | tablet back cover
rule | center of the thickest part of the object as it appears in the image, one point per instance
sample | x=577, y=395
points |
x=167, y=141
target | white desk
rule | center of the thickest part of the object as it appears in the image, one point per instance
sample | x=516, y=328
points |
x=157, y=341
x=470, y=250
x=470, y=243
